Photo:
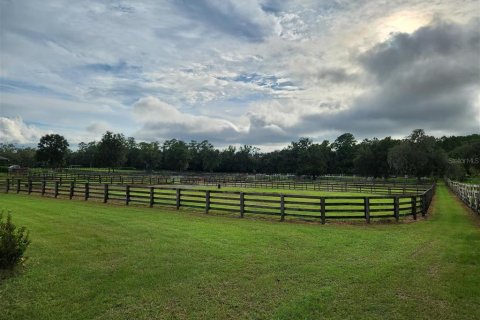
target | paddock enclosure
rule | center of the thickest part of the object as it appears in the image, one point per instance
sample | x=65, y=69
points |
x=320, y=200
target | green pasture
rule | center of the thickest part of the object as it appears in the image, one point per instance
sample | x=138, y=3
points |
x=90, y=260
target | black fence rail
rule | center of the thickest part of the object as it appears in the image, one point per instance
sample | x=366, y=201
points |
x=468, y=193
x=320, y=185
x=333, y=185
x=284, y=206
x=98, y=178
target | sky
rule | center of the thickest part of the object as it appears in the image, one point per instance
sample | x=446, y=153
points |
x=259, y=72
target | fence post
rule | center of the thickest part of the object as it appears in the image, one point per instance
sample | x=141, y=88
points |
x=152, y=196
x=44, y=184
x=127, y=194
x=56, y=189
x=242, y=204
x=30, y=186
x=7, y=186
x=414, y=207
x=207, y=201
x=105, y=193
x=87, y=191
x=282, y=207
x=177, y=198
x=424, y=205
x=366, y=204
x=72, y=189
x=18, y=185
x=396, y=209
x=322, y=209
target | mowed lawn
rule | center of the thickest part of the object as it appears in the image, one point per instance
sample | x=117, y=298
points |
x=93, y=261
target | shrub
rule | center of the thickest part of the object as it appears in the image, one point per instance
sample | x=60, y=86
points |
x=13, y=242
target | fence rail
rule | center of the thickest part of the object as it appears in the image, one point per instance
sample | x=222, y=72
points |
x=468, y=193
x=97, y=178
x=361, y=186
x=311, y=207
x=320, y=185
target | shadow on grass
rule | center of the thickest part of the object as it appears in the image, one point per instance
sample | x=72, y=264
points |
x=8, y=273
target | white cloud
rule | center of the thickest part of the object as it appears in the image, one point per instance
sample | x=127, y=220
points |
x=14, y=130
x=161, y=120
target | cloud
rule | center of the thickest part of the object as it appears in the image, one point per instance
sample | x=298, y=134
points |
x=246, y=19
x=429, y=79
x=263, y=81
x=97, y=128
x=162, y=121
x=14, y=130
x=336, y=75
x=256, y=71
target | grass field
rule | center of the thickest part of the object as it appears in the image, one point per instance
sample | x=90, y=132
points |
x=93, y=261
x=473, y=180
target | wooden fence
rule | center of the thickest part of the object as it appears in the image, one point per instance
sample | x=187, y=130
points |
x=358, y=186
x=98, y=178
x=243, y=203
x=321, y=185
x=468, y=193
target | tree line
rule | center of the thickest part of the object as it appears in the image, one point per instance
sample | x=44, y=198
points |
x=418, y=155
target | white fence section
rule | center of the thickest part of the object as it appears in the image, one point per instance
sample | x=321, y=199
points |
x=468, y=193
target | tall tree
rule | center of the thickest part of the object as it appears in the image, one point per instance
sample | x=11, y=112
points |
x=399, y=158
x=344, y=147
x=150, y=155
x=112, y=150
x=52, y=149
x=245, y=159
x=227, y=159
x=209, y=156
x=85, y=155
x=418, y=155
x=133, y=156
x=372, y=157
x=176, y=155
x=313, y=160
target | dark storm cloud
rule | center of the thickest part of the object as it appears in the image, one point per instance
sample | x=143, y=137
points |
x=427, y=79
x=438, y=41
x=336, y=75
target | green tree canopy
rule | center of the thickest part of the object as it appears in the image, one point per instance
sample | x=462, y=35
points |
x=52, y=149
x=112, y=150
